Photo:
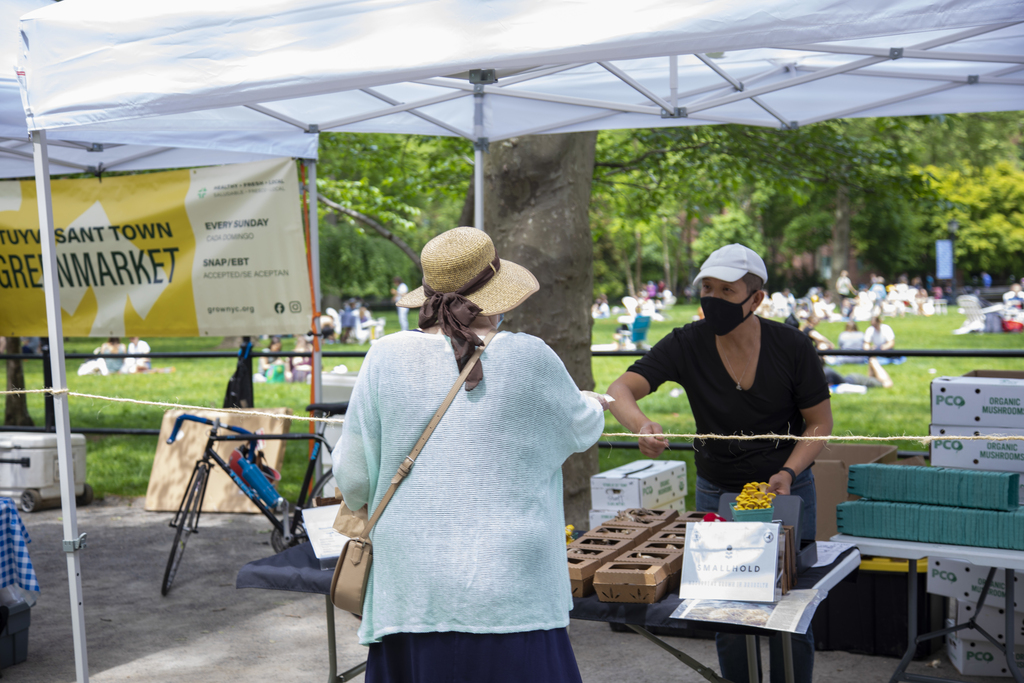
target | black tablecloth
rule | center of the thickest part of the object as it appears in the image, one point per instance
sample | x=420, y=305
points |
x=295, y=569
x=658, y=615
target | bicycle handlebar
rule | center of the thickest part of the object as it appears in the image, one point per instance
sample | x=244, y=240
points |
x=201, y=420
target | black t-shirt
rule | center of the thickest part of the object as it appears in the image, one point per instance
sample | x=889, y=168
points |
x=789, y=378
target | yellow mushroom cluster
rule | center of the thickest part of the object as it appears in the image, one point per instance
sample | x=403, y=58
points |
x=754, y=496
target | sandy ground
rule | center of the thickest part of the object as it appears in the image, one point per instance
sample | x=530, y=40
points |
x=207, y=631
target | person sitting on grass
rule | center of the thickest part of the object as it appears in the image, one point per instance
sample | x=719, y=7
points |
x=137, y=363
x=876, y=377
x=113, y=345
x=820, y=341
x=273, y=369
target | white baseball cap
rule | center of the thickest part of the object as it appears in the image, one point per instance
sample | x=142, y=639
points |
x=732, y=262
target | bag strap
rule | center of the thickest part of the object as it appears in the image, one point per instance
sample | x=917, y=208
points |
x=406, y=466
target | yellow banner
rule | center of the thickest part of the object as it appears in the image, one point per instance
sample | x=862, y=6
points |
x=207, y=251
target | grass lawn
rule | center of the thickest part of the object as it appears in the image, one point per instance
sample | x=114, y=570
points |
x=120, y=465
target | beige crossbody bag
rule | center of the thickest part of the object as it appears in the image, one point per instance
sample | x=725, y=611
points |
x=348, y=586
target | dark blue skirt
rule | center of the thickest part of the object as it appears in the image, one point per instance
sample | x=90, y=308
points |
x=453, y=657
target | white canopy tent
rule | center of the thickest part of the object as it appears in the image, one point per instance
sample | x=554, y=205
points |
x=193, y=139
x=561, y=66
x=406, y=66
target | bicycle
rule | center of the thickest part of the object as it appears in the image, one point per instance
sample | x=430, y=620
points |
x=252, y=478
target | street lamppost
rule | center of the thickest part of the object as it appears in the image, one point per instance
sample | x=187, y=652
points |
x=953, y=226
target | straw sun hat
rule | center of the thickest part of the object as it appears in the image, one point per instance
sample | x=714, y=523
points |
x=455, y=257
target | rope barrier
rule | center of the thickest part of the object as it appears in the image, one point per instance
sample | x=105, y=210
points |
x=161, y=404
x=692, y=437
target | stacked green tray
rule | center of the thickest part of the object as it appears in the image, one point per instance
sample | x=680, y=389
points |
x=936, y=486
x=932, y=524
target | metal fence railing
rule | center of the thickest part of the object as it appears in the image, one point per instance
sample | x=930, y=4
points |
x=233, y=355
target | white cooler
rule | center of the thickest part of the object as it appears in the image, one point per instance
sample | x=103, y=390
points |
x=36, y=483
x=335, y=388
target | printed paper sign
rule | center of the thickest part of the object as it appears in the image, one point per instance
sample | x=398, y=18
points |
x=208, y=251
x=730, y=561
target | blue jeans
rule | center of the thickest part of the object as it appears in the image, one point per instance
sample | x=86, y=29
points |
x=732, y=648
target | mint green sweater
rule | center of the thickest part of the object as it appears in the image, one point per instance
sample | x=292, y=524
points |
x=473, y=539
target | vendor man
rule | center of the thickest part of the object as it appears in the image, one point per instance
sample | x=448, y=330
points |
x=743, y=375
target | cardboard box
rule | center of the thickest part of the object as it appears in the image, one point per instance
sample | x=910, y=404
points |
x=964, y=581
x=173, y=463
x=640, y=484
x=991, y=617
x=831, y=473
x=672, y=559
x=982, y=398
x=994, y=456
x=671, y=544
x=599, y=517
x=583, y=563
x=674, y=536
x=618, y=545
x=610, y=530
x=644, y=519
x=628, y=582
x=979, y=657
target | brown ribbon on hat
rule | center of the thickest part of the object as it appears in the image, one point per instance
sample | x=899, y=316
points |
x=455, y=313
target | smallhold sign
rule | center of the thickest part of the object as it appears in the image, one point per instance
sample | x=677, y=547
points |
x=207, y=251
x=730, y=561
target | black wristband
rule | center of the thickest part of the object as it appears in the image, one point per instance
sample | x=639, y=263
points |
x=790, y=472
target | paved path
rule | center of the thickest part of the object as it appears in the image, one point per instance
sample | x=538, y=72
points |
x=208, y=632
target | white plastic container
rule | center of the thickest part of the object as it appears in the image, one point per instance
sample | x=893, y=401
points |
x=640, y=484
x=995, y=456
x=991, y=617
x=978, y=401
x=973, y=657
x=335, y=388
x=36, y=482
x=964, y=581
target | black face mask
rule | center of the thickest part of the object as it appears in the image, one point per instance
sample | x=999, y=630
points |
x=724, y=316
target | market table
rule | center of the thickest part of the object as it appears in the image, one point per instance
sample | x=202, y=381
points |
x=298, y=570
x=912, y=551
x=642, y=617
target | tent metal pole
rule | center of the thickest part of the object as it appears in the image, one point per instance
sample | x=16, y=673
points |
x=429, y=119
x=73, y=543
x=479, y=147
x=673, y=81
x=478, y=188
x=314, y=253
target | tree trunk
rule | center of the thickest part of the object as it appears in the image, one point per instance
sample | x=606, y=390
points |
x=840, y=235
x=537, y=213
x=16, y=405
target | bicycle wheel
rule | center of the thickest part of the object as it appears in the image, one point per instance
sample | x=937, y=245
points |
x=327, y=478
x=188, y=520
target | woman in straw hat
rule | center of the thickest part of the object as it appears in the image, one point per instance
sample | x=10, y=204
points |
x=469, y=580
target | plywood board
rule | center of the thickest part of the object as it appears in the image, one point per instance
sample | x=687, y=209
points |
x=173, y=463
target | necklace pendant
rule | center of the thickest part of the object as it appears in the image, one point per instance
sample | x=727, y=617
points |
x=738, y=387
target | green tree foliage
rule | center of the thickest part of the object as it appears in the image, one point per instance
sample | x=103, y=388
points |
x=988, y=203
x=412, y=185
x=655, y=191
x=728, y=228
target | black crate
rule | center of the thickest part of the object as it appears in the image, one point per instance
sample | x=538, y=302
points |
x=14, y=637
x=867, y=614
